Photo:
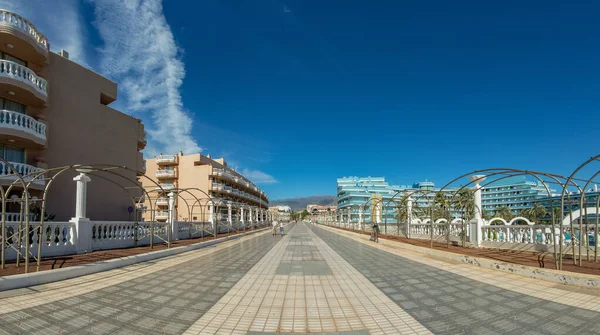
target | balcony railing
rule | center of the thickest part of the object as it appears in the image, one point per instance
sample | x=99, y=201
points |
x=166, y=159
x=217, y=187
x=18, y=72
x=23, y=170
x=166, y=173
x=162, y=202
x=166, y=187
x=22, y=122
x=161, y=215
x=11, y=19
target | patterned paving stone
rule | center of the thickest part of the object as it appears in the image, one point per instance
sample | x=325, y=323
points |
x=447, y=303
x=164, y=302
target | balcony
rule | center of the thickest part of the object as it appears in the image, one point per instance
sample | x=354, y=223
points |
x=140, y=164
x=28, y=172
x=24, y=39
x=166, y=187
x=142, y=139
x=217, y=187
x=227, y=189
x=166, y=173
x=161, y=216
x=166, y=159
x=162, y=202
x=22, y=82
x=23, y=126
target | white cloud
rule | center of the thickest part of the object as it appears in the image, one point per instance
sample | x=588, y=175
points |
x=258, y=177
x=60, y=21
x=140, y=53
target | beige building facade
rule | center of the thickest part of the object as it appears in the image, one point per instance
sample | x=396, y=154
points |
x=202, y=189
x=55, y=113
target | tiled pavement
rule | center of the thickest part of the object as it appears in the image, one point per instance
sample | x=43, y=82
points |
x=166, y=301
x=448, y=303
x=310, y=281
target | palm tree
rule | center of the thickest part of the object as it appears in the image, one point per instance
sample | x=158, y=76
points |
x=402, y=211
x=464, y=202
x=503, y=212
x=440, y=205
x=535, y=212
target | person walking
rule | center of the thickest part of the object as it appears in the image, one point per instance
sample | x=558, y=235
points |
x=281, y=228
x=274, y=230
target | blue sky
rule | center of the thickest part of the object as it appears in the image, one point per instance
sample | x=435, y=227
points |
x=298, y=93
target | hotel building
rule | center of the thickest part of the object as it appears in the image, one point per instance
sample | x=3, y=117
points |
x=281, y=213
x=55, y=112
x=356, y=192
x=212, y=187
x=516, y=193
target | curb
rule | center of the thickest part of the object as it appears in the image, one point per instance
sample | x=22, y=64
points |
x=560, y=277
x=50, y=276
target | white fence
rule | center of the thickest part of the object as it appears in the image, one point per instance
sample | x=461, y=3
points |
x=62, y=238
x=499, y=234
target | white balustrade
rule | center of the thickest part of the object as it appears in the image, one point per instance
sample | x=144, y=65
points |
x=22, y=122
x=166, y=159
x=166, y=173
x=24, y=170
x=18, y=72
x=11, y=19
x=124, y=234
x=56, y=238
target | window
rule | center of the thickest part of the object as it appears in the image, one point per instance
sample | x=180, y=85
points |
x=6, y=56
x=12, y=106
x=12, y=154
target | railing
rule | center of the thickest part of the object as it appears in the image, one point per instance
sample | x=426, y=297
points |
x=18, y=72
x=14, y=20
x=166, y=173
x=22, y=122
x=166, y=187
x=115, y=234
x=56, y=238
x=23, y=170
x=161, y=215
x=166, y=159
x=162, y=202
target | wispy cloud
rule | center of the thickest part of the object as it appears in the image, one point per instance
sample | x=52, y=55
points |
x=258, y=177
x=140, y=53
x=60, y=21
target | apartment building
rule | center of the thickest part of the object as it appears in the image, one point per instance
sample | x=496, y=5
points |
x=281, y=213
x=516, y=193
x=55, y=112
x=203, y=185
x=355, y=192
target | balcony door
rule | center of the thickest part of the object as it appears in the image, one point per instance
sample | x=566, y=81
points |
x=12, y=154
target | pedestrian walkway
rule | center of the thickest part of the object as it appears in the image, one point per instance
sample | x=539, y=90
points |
x=312, y=280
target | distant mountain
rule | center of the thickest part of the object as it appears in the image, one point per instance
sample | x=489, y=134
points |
x=299, y=204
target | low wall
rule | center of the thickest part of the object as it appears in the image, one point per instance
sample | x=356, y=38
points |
x=562, y=277
x=45, y=277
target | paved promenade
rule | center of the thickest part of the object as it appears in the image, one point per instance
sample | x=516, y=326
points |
x=313, y=280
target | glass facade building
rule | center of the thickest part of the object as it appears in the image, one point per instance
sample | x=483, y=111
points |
x=353, y=193
x=516, y=193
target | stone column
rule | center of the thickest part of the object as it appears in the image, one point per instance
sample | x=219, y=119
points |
x=476, y=234
x=243, y=224
x=229, y=219
x=250, y=218
x=172, y=217
x=360, y=218
x=82, y=234
x=81, y=198
x=409, y=205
